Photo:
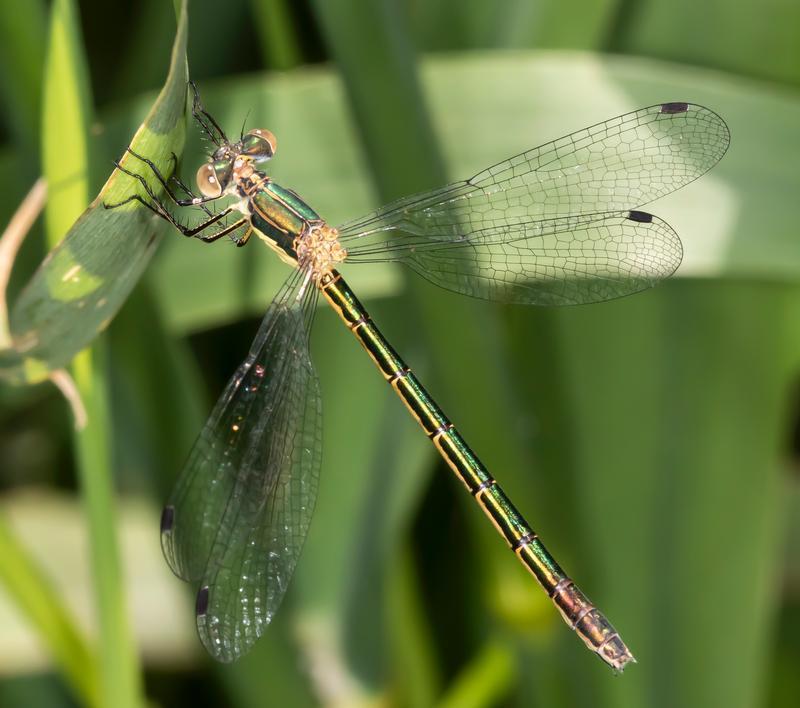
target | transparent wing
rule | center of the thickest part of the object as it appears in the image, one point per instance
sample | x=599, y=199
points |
x=238, y=517
x=617, y=165
x=565, y=261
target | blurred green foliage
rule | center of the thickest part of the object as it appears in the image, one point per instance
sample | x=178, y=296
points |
x=651, y=441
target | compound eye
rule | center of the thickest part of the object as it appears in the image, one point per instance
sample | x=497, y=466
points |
x=259, y=144
x=207, y=181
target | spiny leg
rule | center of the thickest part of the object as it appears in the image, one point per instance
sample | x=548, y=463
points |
x=183, y=186
x=244, y=238
x=199, y=113
x=194, y=201
x=193, y=233
x=240, y=241
x=161, y=211
x=136, y=198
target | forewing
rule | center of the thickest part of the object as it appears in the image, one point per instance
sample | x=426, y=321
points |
x=240, y=512
x=617, y=165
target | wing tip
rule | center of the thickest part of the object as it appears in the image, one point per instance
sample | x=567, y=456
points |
x=222, y=641
x=678, y=107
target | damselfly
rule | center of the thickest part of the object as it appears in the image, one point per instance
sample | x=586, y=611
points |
x=556, y=225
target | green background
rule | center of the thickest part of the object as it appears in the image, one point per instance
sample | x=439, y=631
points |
x=651, y=441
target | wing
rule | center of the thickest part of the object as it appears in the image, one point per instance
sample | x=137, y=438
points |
x=617, y=165
x=569, y=260
x=238, y=517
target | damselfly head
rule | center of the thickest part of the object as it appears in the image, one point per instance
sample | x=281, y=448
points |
x=257, y=145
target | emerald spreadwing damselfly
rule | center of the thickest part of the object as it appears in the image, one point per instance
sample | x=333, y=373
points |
x=560, y=224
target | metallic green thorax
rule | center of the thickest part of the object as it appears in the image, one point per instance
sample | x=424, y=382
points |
x=579, y=613
x=280, y=216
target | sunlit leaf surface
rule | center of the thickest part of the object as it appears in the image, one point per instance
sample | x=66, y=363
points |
x=83, y=282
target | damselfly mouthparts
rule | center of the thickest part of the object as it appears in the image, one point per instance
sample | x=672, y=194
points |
x=559, y=224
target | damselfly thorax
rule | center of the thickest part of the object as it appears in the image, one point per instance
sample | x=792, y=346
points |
x=277, y=215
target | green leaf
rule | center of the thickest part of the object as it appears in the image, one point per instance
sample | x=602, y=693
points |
x=33, y=594
x=757, y=40
x=21, y=59
x=472, y=24
x=485, y=681
x=65, y=123
x=276, y=32
x=85, y=279
x=77, y=285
